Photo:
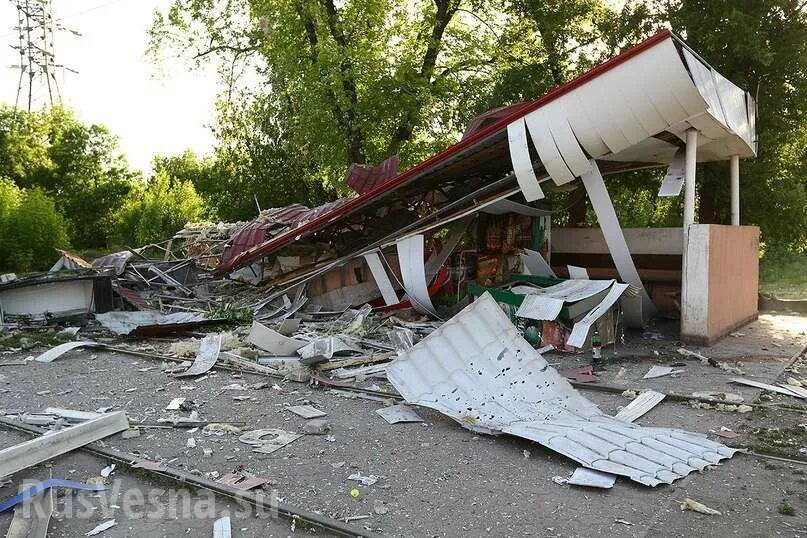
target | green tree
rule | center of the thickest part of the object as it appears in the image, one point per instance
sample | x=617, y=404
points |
x=78, y=165
x=31, y=231
x=760, y=45
x=342, y=83
x=156, y=211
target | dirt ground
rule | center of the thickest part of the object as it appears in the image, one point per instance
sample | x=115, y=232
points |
x=437, y=479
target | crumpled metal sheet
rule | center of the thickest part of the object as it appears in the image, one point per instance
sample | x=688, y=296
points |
x=143, y=322
x=207, y=356
x=324, y=349
x=478, y=370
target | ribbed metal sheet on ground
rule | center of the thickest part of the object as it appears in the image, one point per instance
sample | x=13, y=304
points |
x=477, y=369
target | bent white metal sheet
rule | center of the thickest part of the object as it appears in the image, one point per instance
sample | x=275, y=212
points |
x=272, y=341
x=55, y=352
x=206, y=357
x=522, y=163
x=535, y=264
x=381, y=278
x=477, y=369
x=413, y=273
x=615, y=239
x=581, y=328
x=674, y=179
x=538, y=126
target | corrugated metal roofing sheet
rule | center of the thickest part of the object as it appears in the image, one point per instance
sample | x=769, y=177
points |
x=362, y=178
x=477, y=369
x=646, y=102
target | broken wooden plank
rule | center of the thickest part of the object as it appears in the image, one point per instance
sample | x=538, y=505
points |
x=24, y=455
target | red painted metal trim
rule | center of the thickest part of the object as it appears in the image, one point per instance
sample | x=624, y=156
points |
x=358, y=202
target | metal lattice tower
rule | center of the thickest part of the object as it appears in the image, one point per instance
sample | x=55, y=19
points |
x=38, y=67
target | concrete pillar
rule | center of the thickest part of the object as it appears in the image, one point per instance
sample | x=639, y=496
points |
x=689, y=177
x=735, y=190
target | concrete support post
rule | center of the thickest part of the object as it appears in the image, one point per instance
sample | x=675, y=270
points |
x=735, y=190
x=689, y=177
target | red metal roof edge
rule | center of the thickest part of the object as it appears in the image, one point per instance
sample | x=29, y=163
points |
x=355, y=203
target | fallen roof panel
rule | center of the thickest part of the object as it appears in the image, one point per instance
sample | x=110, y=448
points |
x=477, y=369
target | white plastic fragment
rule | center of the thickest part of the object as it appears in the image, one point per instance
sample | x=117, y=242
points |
x=101, y=527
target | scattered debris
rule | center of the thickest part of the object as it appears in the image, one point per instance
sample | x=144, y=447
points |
x=316, y=427
x=660, y=371
x=365, y=480
x=56, y=352
x=398, y=413
x=591, y=478
x=787, y=391
x=242, y=480
x=640, y=405
x=306, y=411
x=37, y=488
x=101, y=528
x=695, y=506
x=279, y=439
x=108, y=470
x=207, y=356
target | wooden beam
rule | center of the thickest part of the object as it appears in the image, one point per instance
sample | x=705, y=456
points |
x=29, y=453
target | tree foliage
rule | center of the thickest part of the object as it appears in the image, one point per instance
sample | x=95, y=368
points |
x=332, y=83
x=30, y=229
x=79, y=166
x=760, y=45
x=155, y=212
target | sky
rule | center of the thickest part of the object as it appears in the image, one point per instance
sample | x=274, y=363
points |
x=151, y=110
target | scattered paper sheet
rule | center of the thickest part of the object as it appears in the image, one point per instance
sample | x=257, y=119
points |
x=540, y=307
x=580, y=330
x=535, y=264
x=381, y=278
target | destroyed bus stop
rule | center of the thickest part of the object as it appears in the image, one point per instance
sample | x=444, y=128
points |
x=322, y=354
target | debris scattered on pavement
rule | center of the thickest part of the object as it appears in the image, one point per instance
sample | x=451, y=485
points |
x=399, y=413
x=98, y=529
x=695, y=506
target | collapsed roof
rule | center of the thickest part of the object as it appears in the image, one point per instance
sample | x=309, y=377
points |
x=628, y=113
